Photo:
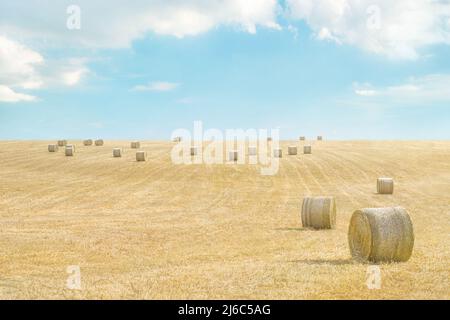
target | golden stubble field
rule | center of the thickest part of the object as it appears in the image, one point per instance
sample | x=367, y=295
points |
x=155, y=230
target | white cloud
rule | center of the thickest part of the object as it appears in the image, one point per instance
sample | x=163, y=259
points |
x=156, y=86
x=9, y=95
x=397, y=29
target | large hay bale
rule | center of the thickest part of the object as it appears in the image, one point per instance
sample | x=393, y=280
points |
x=233, y=155
x=62, y=143
x=292, y=150
x=52, y=147
x=381, y=235
x=69, y=150
x=307, y=149
x=99, y=142
x=135, y=145
x=319, y=212
x=319, y=138
x=302, y=138
x=117, y=152
x=278, y=153
x=194, y=151
x=385, y=185
x=87, y=142
x=141, y=156
x=252, y=151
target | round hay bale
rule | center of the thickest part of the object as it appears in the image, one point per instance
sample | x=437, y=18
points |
x=319, y=138
x=302, y=138
x=135, y=145
x=319, y=212
x=117, y=152
x=177, y=139
x=194, y=151
x=269, y=139
x=141, y=156
x=52, y=147
x=307, y=149
x=292, y=150
x=99, y=142
x=381, y=235
x=62, y=143
x=252, y=151
x=233, y=155
x=69, y=150
x=87, y=142
x=385, y=185
x=278, y=153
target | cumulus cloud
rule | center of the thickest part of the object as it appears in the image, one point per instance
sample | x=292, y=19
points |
x=397, y=29
x=9, y=95
x=156, y=86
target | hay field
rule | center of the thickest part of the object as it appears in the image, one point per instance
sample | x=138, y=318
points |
x=154, y=230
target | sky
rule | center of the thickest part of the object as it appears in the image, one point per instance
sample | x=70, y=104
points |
x=344, y=69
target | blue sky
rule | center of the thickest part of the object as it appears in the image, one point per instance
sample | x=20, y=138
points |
x=304, y=67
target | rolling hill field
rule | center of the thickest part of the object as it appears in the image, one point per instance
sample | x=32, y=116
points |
x=156, y=230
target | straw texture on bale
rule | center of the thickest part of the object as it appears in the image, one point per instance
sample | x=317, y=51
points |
x=69, y=150
x=306, y=149
x=52, y=147
x=99, y=142
x=319, y=212
x=252, y=151
x=62, y=143
x=141, y=156
x=385, y=185
x=302, y=138
x=117, y=152
x=135, y=145
x=319, y=138
x=233, y=155
x=381, y=235
x=194, y=151
x=278, y=153
x=292, y=150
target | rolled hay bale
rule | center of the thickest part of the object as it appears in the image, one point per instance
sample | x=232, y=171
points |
x=99, y=142
x=69, y=150
x=269, y=139
x=194, y=151
x=252, y=151
x=319, y=212
x=233, y=155
x=385, y=185
x=319, y=138
x=135, y=145
x=278, y=153
x=87, y=142
x=52, y=148
x=62, y=143
x=177, y=139
x=307, y=149
x=381, y=235
x=117, y=152
x=292, y=150
x=141, y=156
x=302, y=138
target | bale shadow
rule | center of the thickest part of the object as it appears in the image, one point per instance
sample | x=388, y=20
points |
x=334, y=262
x=292, y=229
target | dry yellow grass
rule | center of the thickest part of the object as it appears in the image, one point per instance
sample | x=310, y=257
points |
x=155, y=230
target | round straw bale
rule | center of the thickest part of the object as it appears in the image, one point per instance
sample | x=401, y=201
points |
x=52, y=147
x=381, y=235
x=385, y=185
x=269, y=138
x=99, y=142
x=319, y=212
x=319, y=138
x=194, y=151
x=302, y=138
x=252, y=151
x=292, y=150
x=69, y=150
x=278, y=153
x=87, y=142
x=141, y=156
x=307, y=149
x=135, y=145
x=117, y=152
x=62, y=143
x=233, y=155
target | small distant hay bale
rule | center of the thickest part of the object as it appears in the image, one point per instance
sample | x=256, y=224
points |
x=87, y=142
x=302, y=138
x=52, y=147
x=69, y=150
x=319, y=212
x=141, y=156
x=307, y=149
x=117, y=152
x=99, y=142
x=252, y=151
x=292, y=150
x=194, y=151
x=381, y=235
x=278, y=153
x=385, y=185
x=233, y=155
x=177, y=139
x=319, y=138
x=135, y=145
x=62, y=143
x=269, y=139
